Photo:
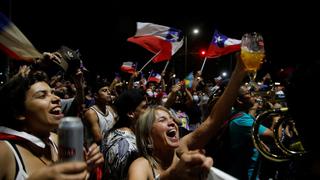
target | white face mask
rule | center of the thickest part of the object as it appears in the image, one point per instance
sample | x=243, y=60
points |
x=195, y=98
x=164, y=100
x=204, y=98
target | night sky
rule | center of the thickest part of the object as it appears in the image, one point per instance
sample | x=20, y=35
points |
x=100, y=29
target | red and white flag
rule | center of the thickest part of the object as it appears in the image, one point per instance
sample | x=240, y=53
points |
x=14, y=43
x=154, y=77
x=222, y=45
x=157, y=38
x=128, y=67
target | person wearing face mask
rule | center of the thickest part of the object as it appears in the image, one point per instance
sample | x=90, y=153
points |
x=164, y=99
x=195, y=98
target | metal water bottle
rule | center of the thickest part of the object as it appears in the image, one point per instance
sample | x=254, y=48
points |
x=70, y=139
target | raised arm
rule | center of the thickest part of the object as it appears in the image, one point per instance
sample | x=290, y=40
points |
x=163, y=82
x=196, y=81
x=208, y=129
x=172, y=95
x=131, y=80
x=76, y=107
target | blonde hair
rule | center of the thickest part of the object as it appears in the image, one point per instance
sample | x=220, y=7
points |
x=143, y=132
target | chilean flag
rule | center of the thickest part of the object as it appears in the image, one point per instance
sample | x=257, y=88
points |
x=14, y=43
x=128, y=67
x=158, y=39
x=155, y=77
x=222, y=45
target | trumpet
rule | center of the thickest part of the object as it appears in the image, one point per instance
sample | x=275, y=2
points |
x=286, y=137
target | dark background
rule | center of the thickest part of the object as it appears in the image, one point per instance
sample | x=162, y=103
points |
x=100, y=29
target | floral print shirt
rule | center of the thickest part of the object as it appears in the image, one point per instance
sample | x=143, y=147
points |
x=120, y=150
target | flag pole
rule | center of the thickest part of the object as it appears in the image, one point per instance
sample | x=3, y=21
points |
x=204, y=62
x=150, y=74
x=136, y=64
x=165, y=68
x=149, y=61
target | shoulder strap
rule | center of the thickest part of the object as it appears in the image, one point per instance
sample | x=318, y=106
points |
x=153, y=171
x=98, y=114
x=95, y=110
x=16, y=153
x=17, y=156
x=233, y=116
x=236, y=115
x=224, y=126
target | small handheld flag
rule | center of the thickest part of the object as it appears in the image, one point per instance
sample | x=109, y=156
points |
x=128, y=67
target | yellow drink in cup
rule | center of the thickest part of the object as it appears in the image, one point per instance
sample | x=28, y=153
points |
x=252, y=53
x=251, y=60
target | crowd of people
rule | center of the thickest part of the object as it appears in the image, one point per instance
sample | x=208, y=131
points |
x=147, y=130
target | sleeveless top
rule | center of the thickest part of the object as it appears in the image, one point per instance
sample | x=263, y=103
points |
x=21, y=173
x=20, y=168
x=155, y=176
x=106, y=122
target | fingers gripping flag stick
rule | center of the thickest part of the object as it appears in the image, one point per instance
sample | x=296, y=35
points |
x=157, y=38
x=14, y=43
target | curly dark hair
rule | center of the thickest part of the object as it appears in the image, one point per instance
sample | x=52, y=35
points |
x=127, y=101
x=13, y=96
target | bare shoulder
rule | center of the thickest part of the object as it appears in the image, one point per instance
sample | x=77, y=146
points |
x=141, y=161
x=89, y=114
x=89, y=111
x=140, y=169
x=6, y=153
x=90, y=117
x=6, y=162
